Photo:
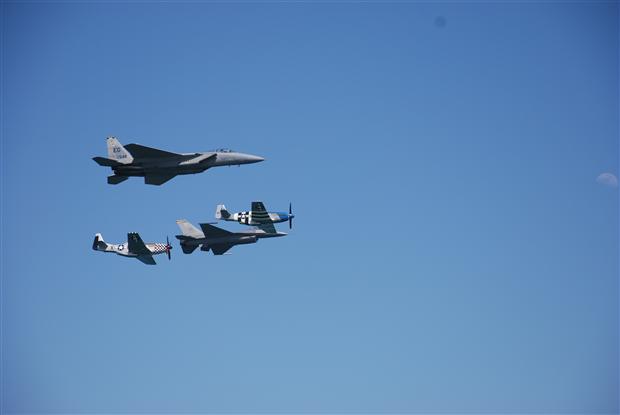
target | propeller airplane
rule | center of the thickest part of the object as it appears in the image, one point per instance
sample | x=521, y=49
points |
x=257, y=216
x=133, y=248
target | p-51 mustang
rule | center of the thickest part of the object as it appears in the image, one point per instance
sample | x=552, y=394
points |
x=216, y=239
x=159, y=166
x=258, y=216
x=133, y=248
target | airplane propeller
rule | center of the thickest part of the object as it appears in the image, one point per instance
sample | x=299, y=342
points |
x=290, y=216
x=168, y=247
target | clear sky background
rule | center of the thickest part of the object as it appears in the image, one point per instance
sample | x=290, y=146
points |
x=452, y=250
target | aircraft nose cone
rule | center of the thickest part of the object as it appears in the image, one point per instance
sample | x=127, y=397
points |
x=253, y=159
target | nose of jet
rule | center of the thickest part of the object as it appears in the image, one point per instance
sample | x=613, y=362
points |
x=250, y=158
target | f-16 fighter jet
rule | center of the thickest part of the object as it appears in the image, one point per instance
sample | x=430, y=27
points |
x=258, y=216
x=216, y=239
x=133, y=248
x=159, y=166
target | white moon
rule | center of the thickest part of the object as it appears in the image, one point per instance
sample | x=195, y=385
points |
x=607, y=179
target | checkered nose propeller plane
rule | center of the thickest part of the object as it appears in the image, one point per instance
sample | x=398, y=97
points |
x=257, y=216
x=133, y=248
x=159, y=166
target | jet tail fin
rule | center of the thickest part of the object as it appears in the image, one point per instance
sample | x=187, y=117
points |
x=221, y=212
x=189, y=230
x=99, y=244
x=117, y=152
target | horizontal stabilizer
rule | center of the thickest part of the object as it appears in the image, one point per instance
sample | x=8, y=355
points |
x=116, y=179
x=102, y=161
x=143, y=152
x=188, y=249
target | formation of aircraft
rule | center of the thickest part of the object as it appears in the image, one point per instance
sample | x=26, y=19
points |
x=133, y=248
x=159, y=166
x=257, y=216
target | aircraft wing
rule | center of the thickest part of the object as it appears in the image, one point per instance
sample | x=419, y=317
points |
x=143, y=152
x=258, y=207
x=211, y=231
x=136, y=246
x=158, y=179
x=267, y=227
x=260, y=215
x=220, y=249
x=147, y=259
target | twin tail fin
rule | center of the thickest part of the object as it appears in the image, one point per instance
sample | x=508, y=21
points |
x=117, y=152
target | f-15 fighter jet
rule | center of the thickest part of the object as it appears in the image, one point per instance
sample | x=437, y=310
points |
x=216, y=239
x=133, y=248
x=258, y=216
x=159, y=166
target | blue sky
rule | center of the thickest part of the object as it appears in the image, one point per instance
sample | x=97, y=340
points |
x=452, y=250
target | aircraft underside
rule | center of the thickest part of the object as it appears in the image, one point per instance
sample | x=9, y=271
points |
x=141, y=172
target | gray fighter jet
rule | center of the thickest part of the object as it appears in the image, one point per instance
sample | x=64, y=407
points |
x=158, y=166
x=216, y=239
x=133, y=248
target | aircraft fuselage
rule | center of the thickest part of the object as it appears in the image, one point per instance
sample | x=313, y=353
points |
x=247, y=218
x=190, y=163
